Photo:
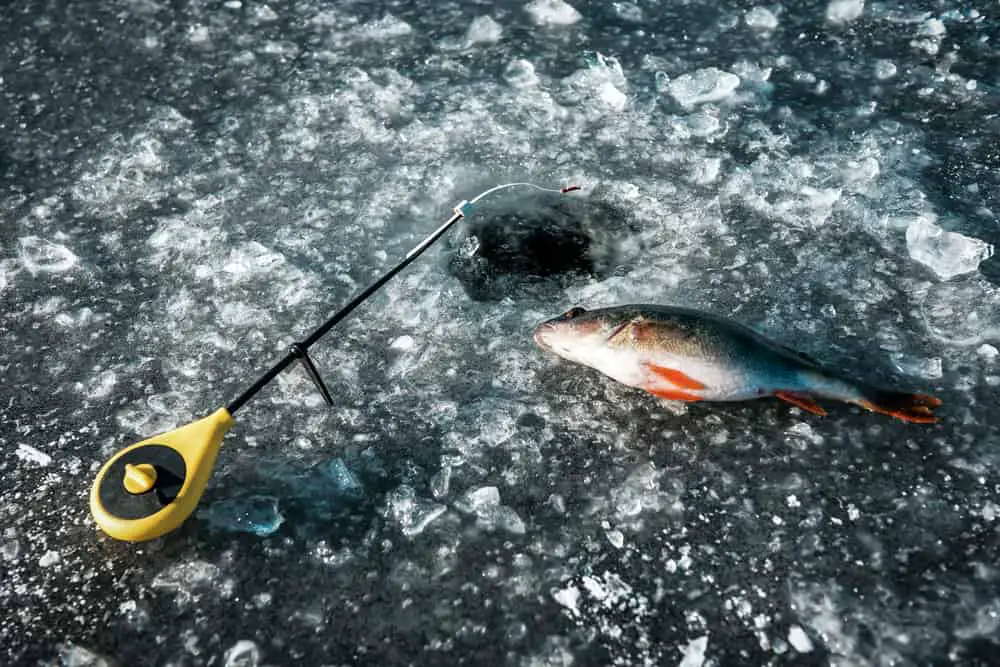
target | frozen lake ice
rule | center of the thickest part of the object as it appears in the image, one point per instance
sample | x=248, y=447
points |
x=186, y=188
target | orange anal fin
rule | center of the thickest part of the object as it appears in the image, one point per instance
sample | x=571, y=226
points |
x=807, y=403
x=675, y=377
x=913, y=408
x=674, y=395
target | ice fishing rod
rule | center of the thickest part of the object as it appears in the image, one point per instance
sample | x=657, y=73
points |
x=150, y=488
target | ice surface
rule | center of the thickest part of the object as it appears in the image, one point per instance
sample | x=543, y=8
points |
x=241, y=170
x=844, y=11
x=947, y=254
x=706, y=85
x=552, y=12
x=247, y=514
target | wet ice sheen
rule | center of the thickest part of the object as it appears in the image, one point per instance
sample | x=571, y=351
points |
x=254, y=514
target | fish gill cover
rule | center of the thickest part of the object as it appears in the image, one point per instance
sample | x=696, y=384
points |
x=187, y=187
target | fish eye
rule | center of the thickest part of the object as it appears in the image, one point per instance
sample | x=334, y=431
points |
x=574, y=312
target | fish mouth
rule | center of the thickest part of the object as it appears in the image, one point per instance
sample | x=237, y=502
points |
x=540, y=333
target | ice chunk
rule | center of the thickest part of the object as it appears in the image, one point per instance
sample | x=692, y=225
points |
x=403, y=343
x=628, y=11
x=249, y=514
x=799, y=639
x=411, y=513
x=884, y=69
x=38, y=255
x=71, y=655
x=29, y=453
x=552, y=12
x=694, y=652
x=568, y=597
x=947, y=254
x=387, y=27
x=243, y=653
x=49, y=558
x=761, y=18
x=185, y=579
x=479, y=500
x=343, y=480
x=705, y=85
x=484, y=503
x=929, y=369
x=483, y=30
x=931, y=28
x=520, y=74
x=844, y=11
x=963, y=312
x=988, y=352
x=9, y=545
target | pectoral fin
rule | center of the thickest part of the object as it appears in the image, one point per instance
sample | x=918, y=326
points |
x=672, y=395
x=803, y=401
x=675, y=377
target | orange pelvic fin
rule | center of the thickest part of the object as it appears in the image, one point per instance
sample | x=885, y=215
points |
x=674, y=395
x=915, y=408
x=675, y=377
x=803, y=401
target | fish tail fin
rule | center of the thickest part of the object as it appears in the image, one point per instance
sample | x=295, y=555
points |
x=915, y=408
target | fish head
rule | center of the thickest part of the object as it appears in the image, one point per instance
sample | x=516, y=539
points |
x=579, y=334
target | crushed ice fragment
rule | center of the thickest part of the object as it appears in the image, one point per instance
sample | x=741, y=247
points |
x=844, y=11
x=344, y=483
x=616, y=538
x=38, y=255
x=249, y=514
x=520, y=73
x=884, y=69
x=694, y=652
x=71, y=655
x=49, y=558
x=568, y=597
x=931, y=28
x=988, y=352
x=479, y=500
x=947, y=254
x=761, y=18
x=552, y=12
x=628, y=11
x=411, y=513
x=243, y=653
x=387, y=27
x=483, y=30
x=28, y=453
x=705, y=85
x=9, y=546
x=799, y=639
x=403, y=343
x=930, y=369
x=484, y=503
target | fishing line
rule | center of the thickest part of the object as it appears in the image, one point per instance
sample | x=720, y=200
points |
x=150, y=488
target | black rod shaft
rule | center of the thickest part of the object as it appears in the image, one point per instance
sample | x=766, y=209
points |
x=322, y=330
